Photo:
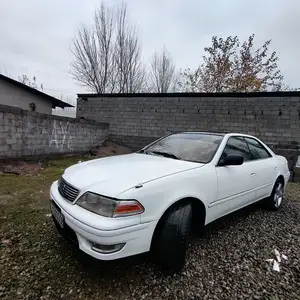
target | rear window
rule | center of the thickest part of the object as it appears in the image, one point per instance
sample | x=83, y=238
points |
x=257, y=150
x=196, y=147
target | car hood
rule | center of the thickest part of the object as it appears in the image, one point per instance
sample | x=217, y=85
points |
x=113, y=175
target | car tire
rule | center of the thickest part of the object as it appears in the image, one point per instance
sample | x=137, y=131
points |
x=275, y=200
x=170, y=242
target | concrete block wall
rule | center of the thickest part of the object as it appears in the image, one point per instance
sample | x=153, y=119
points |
x=25, y=133
x=136, y=120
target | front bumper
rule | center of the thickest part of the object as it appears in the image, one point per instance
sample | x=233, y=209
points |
x=91, y=228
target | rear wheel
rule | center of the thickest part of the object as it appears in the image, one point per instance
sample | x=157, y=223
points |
x=275, y=200
x=170, y=241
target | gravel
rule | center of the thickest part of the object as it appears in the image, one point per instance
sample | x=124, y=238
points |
x=229, y=262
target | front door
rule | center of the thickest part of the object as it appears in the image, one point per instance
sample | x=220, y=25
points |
x=235, y=184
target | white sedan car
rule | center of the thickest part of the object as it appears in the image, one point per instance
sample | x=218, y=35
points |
x=150, y=200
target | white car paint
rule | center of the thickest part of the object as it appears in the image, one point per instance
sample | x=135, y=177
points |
x=162, y=182
x=112, y=175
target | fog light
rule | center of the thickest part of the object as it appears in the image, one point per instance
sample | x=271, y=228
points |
x=106, y=249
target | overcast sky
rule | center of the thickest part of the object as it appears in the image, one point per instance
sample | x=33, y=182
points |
x=36, y=35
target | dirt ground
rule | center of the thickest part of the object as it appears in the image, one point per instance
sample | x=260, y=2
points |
x=229, y=262
x=17, y=167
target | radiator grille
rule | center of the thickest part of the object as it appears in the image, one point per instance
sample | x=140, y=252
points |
x=66, y=190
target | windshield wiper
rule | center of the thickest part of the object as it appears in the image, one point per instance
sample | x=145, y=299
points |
x=143, y=151
x=162, y=153
x=166, y=154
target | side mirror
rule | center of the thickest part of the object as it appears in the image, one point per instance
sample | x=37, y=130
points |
x=232, y=160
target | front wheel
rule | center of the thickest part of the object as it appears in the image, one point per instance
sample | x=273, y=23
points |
x=275, y=200
x=170, y=242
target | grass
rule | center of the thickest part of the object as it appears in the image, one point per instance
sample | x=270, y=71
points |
x=34, y=262
x=23, y=195
x=25, y=225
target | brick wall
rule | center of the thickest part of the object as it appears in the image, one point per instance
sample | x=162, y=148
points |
x=26, y=133
x=138, y=119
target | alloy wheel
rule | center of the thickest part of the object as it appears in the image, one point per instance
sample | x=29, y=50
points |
x=278, y=195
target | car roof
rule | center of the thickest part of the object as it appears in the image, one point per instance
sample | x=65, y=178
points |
x=203, y=132
x=217, y=133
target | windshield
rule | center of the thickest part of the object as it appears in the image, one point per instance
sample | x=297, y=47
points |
x=196, y=147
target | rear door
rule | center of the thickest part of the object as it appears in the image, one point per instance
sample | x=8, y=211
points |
x=264, y=166
x=235, y=184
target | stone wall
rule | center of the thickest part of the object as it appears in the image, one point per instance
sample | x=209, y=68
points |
x=136, y=120
x=25, y=133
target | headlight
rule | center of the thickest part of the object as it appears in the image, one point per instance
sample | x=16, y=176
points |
x=109, y=207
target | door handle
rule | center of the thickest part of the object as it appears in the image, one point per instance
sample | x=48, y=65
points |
x=252, y=174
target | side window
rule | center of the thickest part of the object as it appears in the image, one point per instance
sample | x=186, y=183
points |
x=258, y=151
x=237, y=146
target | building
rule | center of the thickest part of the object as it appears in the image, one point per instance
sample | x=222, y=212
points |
x=69, y=112
x=17, y=94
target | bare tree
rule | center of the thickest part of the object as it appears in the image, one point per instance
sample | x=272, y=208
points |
x=93, y=53
x=127, y=55
x=162, y=73
x=32, y=83
x=107, y=56
x=4, y=71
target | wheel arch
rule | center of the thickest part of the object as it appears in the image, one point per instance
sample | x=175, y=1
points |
x=281, y=179
x=198, y=213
